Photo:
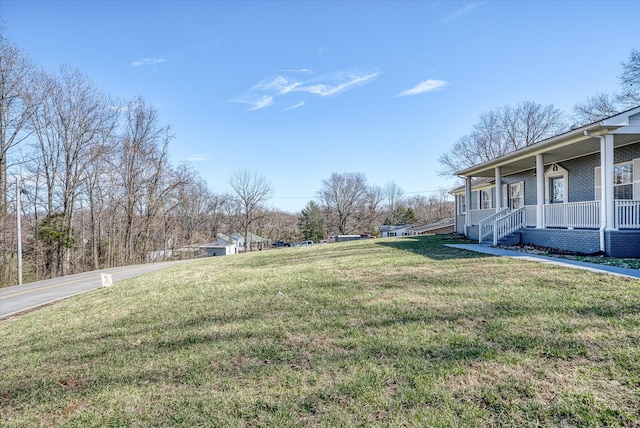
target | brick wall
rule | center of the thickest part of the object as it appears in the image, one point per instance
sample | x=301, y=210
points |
x=623, y=243
x=580, y=241
x=618, y=243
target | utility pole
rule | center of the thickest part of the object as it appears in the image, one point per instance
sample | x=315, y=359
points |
x=18, y=227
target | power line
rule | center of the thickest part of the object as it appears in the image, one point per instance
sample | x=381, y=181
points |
x=315, y=197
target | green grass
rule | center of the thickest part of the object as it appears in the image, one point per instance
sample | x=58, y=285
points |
x=393, y=332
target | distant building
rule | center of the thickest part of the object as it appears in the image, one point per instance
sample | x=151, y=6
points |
x=442, y=226
x=390, y=231
x=220, y=247
x=256, y=242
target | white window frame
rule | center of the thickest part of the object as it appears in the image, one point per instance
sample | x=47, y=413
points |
x=635, y=179
x=626, y=183
x=485, y=199
x=462, y=206
x=555, y=171
x=520, y=197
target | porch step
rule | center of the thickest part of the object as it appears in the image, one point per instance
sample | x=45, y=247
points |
x=513, y=239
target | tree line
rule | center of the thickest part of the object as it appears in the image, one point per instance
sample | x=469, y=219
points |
x=98, y=189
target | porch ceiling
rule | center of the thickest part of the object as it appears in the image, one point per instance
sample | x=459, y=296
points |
x=525, y=159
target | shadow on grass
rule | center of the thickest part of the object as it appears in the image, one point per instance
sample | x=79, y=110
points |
x=432, y=246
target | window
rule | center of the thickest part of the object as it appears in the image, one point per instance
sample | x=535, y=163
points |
x=625, y=184
x=485, y=199
x=623, y=181
x=516, y=195
x=556, y=185
x=462, y=206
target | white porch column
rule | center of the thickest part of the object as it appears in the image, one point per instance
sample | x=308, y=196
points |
x=498, y=188
x=606, y=159
x=539, y=191
x=467, y=201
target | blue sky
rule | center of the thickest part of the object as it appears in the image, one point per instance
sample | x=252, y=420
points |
x=298, y=90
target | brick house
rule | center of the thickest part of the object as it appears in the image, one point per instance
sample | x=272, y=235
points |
x=578, y=191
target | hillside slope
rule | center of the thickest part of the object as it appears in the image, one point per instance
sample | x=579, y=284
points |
x=393, y=332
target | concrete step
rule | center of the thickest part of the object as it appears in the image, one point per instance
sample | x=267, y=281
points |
x=513, y=239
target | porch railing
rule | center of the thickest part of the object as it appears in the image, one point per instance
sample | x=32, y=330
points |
x=531, y=212
x=574, y=215
x=627, y=214
x=476, y=216
x=485, y=226
x=506, y=225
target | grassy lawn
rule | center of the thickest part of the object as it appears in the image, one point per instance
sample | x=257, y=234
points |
x=393, y=332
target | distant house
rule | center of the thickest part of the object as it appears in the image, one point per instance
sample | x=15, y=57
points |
x=388, y=231
x=222, y=246
x=578, y=191
x=256, y=242
x=441, y=227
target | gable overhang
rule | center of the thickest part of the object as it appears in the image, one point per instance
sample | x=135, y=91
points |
x=576, y=143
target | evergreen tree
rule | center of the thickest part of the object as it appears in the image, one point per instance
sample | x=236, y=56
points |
x=311, y=222
x=401, y=215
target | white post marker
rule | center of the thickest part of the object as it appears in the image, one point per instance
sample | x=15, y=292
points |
x=107, y=280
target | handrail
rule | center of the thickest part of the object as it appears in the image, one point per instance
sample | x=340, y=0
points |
x=508, y=224
x=485, y=226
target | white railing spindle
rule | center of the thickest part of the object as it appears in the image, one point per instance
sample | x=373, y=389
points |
x=627, y=214
x=486, y=226
x=508, y=224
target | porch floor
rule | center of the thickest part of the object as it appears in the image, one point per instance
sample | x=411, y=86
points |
x=594, y=267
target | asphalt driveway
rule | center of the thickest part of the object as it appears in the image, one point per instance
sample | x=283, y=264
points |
x=20, y=298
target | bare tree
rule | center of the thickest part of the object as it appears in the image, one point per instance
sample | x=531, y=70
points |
x=73, y=124
x=252, y=190
x=343, y=195
x=369, y=216
x=141, y=162
x=193, y=210
x=16, y=107
x=215, y=215
x=602, y=105
x=278, y=225
x=502, y=131
x=429, y=209
x=595, y=108
x=393, y=194
x=630, y=80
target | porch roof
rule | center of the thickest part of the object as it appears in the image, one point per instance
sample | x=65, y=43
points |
x=572, y=144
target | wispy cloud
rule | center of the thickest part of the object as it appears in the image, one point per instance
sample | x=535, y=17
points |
x=280, y=85
x=300, y=104
x=297, y=70
x=262, y=102
x=148, y=61
x=335, y=83
x=424, y=86
x=197, y=158
x=264, y=93
x=460, y=12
